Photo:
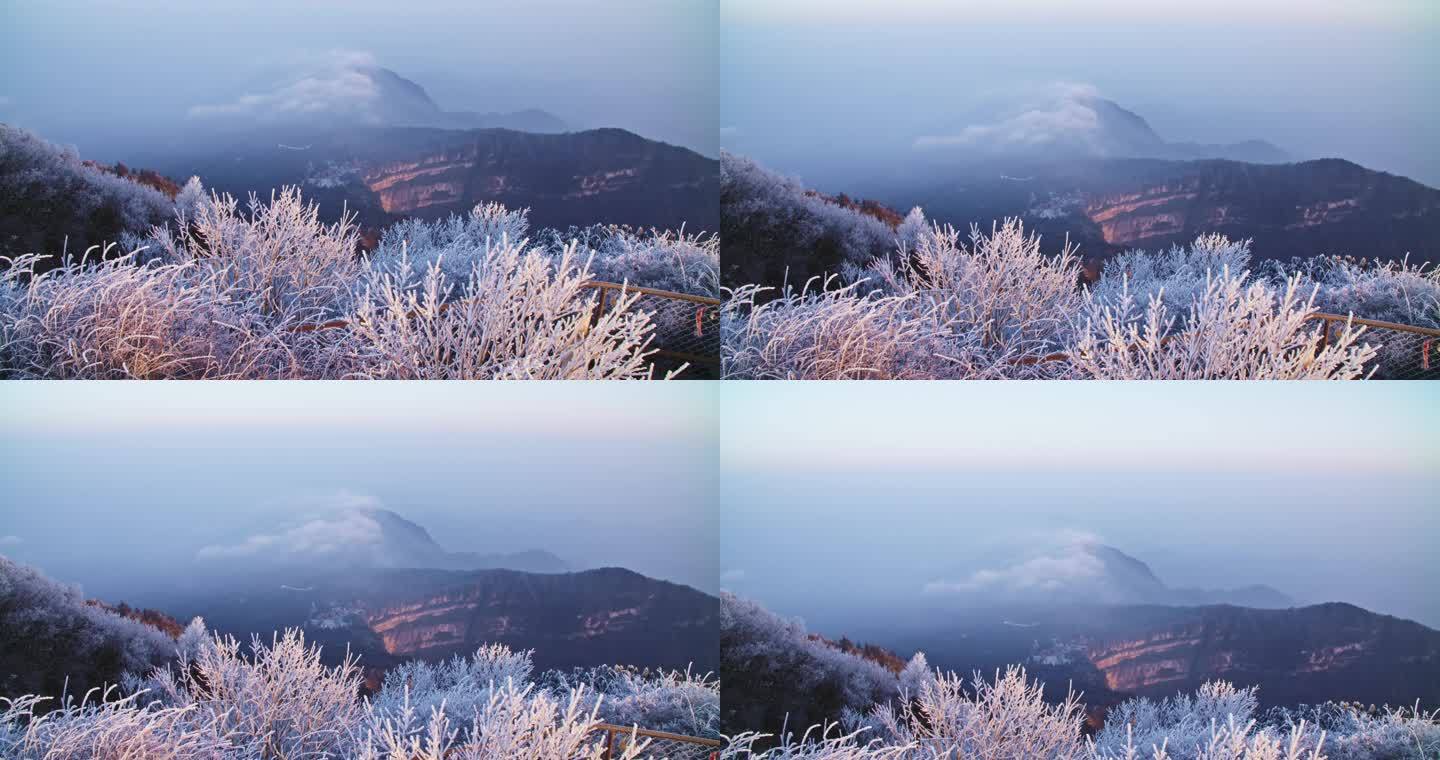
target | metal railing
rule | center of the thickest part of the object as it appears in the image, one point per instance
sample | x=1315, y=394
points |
x=1407, y=352
x=687, y=327
x=662, y=744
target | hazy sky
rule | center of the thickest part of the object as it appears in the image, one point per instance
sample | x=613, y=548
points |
x=827, y=88
x=836, y=496
x=100, y=72
x=103, y=478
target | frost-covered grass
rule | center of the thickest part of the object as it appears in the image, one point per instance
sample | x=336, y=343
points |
x=277, y=700
x=1000, y=307
x=661, y=259
x=204, y=696
x=236, y=292
x=931, y=714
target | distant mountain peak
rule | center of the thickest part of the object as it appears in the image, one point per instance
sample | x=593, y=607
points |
x=1078, y=123
x=371, y=537
x=1086, y=571
x=359, y=93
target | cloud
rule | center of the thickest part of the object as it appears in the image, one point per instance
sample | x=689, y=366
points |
x=6, y=100
x=731, y=576
x=1065, y=115
x=1071, y=563
x=346, y=529
x=729, y=132
x=11, y=540
x=338, y=85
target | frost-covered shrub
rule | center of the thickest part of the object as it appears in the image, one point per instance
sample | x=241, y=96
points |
x=516, y=316
x=52, y=202
x=1356, y=732
x=106, y=727
x=680, y=702
x=456, y=243
x=53, y=641
x=458, y=687
x=191, y=199
x=241, y=295
x=772, y=226
x=996, y=307
x=1393, y=291
x=1217, y=723
x=1004, y=718
x=1236, y=329
x=279, y=260
x=280, y=701
x=514, y=722
x=1007, y=718
x=660, y=259
x=775, y=674
x=828, y=332
x=1017, y=302
x=1176, y=277
x=1390, y=292
x=908, y=234
x=827, y=742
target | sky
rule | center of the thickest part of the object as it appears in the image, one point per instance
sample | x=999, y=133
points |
x=103, y=74
x=840, y=498
x=831, y=90
x=106, y=482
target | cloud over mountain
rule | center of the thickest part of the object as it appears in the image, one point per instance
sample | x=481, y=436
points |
x=345, y=530
x=1079, y=568
x=1072, y=120
x=339, y=86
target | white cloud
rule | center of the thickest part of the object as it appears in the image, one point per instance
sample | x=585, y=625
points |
x=6, y=100
x=338, y=86
x=1063, y=116
x=11, y=540
x=731, y=576
x=344, y=529
x=1070, y=564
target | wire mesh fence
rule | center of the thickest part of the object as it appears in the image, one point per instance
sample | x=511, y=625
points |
x=687, y=327
x=1407, y=352
x=660, y=744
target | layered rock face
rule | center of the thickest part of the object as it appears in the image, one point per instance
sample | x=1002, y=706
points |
x=572, y=178
x=1305, y=209
x=609, y=615
x=383, y=174
x=1308, y=654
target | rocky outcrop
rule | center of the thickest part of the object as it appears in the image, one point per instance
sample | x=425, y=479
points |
x=382, y=174
x=567, y=618
x=1303, y=209
x=1307, y=654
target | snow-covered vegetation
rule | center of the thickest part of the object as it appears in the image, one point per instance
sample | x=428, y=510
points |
x=232, y=292
x=50, y=200
x=923, y=713
x=918, y=301
x=212, y=697
x=44, y=622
